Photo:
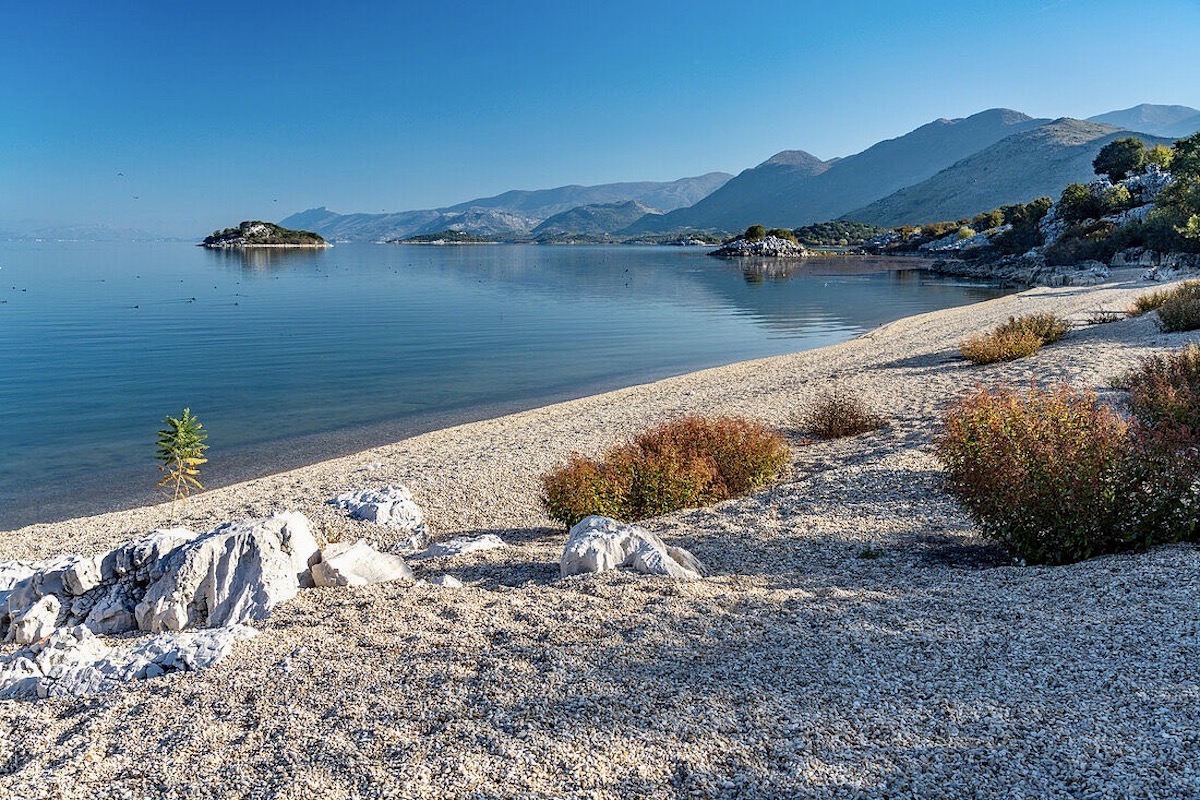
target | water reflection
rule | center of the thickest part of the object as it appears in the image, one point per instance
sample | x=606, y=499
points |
x=267, y=259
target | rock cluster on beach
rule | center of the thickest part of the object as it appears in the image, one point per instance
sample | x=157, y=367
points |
x=199, y=591
x=163, y=583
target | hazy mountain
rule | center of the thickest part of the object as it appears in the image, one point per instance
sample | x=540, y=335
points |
x=524, y=209
x=364, y=227
x=1016, y=169
x=482, y=221
x=795, y=188
x=1168, y=121
x=596, y=219
x=784, y=173
x=84, y=233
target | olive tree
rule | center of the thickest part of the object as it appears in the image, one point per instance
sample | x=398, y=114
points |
x=1120, y=158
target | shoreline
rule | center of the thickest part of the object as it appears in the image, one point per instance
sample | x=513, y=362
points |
x=713, y=381
x=855, y=635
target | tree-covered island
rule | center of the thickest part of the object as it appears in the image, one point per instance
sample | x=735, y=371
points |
x=255, y=233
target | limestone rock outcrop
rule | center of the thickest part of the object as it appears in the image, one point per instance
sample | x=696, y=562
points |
x=164, y=582
x=74, y=662
x=598, y=543
x=235, y=573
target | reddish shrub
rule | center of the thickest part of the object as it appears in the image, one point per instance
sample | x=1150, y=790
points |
x=683, y=463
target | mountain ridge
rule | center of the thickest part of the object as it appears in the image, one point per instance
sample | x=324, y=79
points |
x=524, y=209
x=947, y=168
x=1037, y=162
x=777, y=198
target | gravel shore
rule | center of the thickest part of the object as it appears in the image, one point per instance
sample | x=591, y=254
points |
x=856, y=639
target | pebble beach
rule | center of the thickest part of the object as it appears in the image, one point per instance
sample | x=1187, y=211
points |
x=855, y=638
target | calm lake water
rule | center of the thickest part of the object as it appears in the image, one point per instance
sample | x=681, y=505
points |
x=292, y=356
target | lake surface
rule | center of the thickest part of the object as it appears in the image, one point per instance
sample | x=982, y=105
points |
x=291, y=356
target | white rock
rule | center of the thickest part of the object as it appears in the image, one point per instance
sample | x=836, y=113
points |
x=35, y=622
x=462, y=545
x=357, y=564
x=448, y=582
x=392, y=506
x=82, y=576
x=599, y=543
x=234, y=573
x=73, y=662
x=414, y=542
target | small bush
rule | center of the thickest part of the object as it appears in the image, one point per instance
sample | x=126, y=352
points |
x=1047, y=327
x=1180, y=309
x=990, y=348
x=1164, y=466
x=835, y=413
x=1145, y=303
x=1041, y=471
x=1017, y=338
x=683, y=463
x=180, y=454
x=1165, y=390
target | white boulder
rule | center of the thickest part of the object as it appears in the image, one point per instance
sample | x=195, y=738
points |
x=35, y=622
x=462, y=545
x=235, y=573
x=391, y=506
x=357, y=564
x=599, y=543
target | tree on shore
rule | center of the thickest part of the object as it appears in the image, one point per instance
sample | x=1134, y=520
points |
x=1120, y=158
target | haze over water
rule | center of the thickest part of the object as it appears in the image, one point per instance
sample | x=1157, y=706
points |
x=292, y=356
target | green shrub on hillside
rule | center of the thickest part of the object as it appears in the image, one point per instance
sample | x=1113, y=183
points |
x=1093, y=240
x=988, y=220
x=1077, y=203
x=1159, y=155
x=1024, y=234
x=1120, y=158
x=838, y=233
x=683, y=463
x=755, y=233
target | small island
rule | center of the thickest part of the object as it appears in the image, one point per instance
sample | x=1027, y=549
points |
x=758, y=242
x=255, y=233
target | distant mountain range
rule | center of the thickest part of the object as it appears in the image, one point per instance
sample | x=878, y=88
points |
x=514, y=213
x=86, y=233
x=947, y=169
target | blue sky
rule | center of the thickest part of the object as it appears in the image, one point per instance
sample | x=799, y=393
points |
x=216, y=112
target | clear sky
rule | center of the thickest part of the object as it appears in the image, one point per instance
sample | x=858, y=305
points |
x=181, y=117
